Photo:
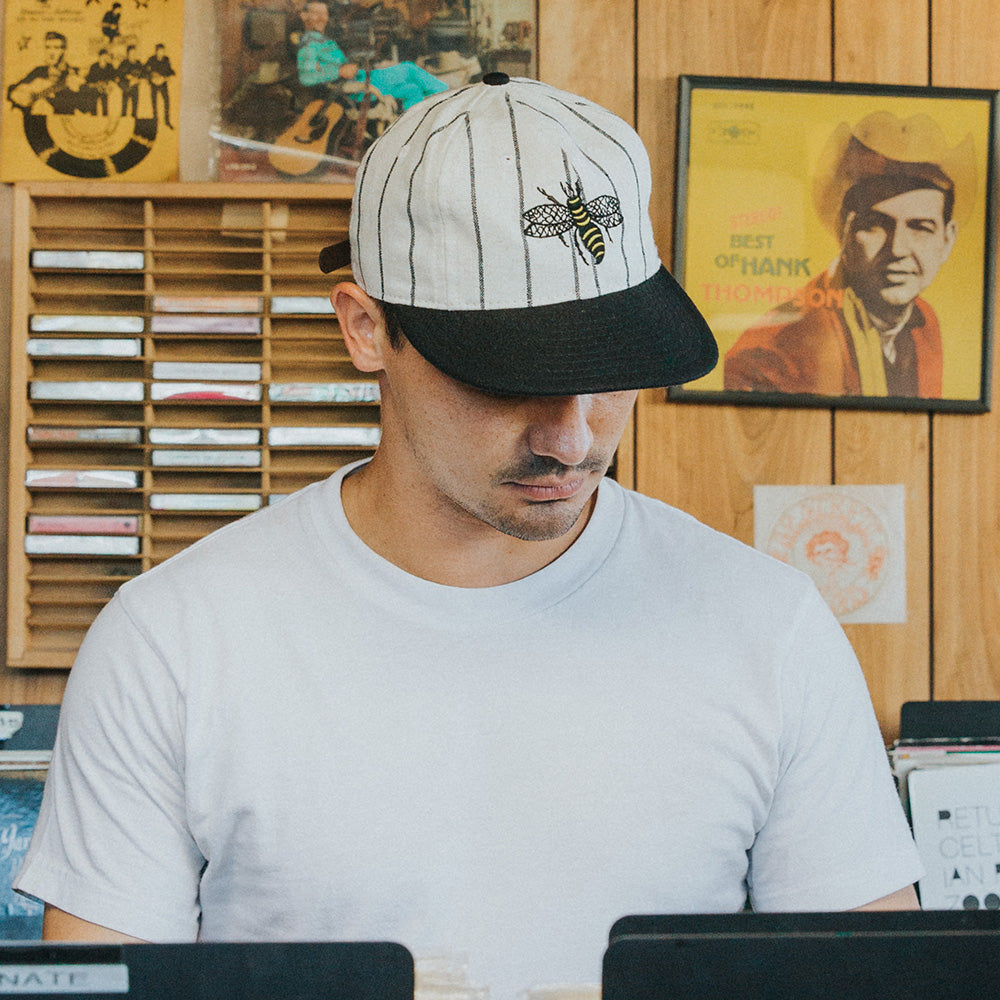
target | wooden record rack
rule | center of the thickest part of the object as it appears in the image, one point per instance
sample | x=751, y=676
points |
x=175, y=364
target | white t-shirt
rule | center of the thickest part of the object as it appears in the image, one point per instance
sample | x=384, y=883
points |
x=280, y=735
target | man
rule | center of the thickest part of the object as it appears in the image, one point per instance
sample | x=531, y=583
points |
x=54, y=87
x=130, y=72
x=888, y=189
x=100, y=76
x=471, y=695
x=320, y=60
x=110, y=23
x=158, y=71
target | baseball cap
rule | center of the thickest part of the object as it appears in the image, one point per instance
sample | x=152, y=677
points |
x=508, y=225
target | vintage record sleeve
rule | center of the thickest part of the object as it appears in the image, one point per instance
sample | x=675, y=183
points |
x=204, y=501
x=92, y=89
x=208, y=391
x=83, y=524
x=20, y=800
x=89, y=260
x=325, y=436
x=275, y=120
x=207, y=303
x=87, y=324
x=82, y=479
x=309, y=304
x=323, y=392
x=120, y=392
x=83, y=545
x=236, y=371
x=55, y=347
x=204, y=435
x=183, y=323
x=40, y=434
x=197, y=457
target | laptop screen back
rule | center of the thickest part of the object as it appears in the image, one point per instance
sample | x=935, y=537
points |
x=887, y=955
x=209, y=971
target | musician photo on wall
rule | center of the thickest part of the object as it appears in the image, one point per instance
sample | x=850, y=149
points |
x=305, y=90
x=88, y=92
x=838, y=239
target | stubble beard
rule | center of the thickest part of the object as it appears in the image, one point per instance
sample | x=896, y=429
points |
x=544, y=520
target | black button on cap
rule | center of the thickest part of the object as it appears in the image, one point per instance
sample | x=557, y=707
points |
x=496, y=79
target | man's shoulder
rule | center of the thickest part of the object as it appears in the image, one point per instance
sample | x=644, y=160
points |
x=669, y=560
x=656, y=527
x=258, y=546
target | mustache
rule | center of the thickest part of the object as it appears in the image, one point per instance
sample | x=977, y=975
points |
x=539, y=466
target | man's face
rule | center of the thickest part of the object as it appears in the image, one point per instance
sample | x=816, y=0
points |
x=525, y=466
x=315, y=16
x=55, y=49
x=892, y=250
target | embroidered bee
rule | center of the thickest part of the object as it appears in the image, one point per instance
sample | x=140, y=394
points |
x=582, y=218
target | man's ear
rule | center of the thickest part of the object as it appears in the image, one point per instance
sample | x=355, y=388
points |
x=361, y=325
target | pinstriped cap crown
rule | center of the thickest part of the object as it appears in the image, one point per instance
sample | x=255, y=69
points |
x=467, y=202
x=508, y=224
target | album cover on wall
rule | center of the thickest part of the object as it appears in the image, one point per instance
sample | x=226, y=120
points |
x=91, y=88
x=306, y=86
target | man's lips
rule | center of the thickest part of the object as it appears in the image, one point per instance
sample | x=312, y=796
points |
x=560, y=489
x=898, y=276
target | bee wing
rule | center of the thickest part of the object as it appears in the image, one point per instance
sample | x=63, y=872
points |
x=606, y=210
x=547, y=220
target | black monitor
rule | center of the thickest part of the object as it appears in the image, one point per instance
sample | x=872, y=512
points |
x=879, y=955
x=208, y=971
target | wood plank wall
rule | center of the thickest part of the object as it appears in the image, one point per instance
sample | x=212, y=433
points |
x=627, y=54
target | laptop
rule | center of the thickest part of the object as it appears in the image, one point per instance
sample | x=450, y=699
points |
x=208, y=971
x=879, y=955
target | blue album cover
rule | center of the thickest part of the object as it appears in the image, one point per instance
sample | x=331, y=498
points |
x=20, y=799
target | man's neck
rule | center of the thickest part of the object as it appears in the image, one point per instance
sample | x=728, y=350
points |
x=438, y=543
x=888, y=328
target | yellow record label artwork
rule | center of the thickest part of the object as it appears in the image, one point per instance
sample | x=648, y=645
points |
x=91, y=89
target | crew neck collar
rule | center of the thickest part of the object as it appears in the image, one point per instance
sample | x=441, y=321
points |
x=533, y=593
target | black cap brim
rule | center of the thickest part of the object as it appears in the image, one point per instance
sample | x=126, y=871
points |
x=335, y=256
x=647, y=336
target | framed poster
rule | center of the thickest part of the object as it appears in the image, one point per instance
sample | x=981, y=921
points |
x=91, y=90
x=839, y=240
x=306, y=86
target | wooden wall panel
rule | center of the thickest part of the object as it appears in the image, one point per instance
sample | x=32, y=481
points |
x=706, y=458
x=966, y=455
x=887, y=43
x=589, y=49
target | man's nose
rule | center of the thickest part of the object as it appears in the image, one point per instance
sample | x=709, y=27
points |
x=900, y=241
x=560, y=428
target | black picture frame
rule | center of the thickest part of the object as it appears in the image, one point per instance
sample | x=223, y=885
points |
x=812, y=227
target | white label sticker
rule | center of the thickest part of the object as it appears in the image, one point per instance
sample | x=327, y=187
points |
x=26, y=979
x=10, y=723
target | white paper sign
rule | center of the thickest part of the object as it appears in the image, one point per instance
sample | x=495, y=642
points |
x=956, y=824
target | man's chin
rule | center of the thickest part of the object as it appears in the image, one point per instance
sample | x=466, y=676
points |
x=543, y=522
x=899, y=296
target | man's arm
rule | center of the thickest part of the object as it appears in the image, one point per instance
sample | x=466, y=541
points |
x=61, y=926
x=902, y=899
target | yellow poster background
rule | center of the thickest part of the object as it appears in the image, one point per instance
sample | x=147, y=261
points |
x=752, y=236
x=71, y=113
